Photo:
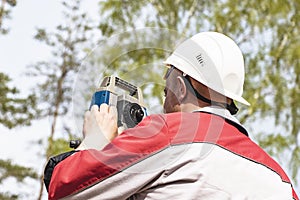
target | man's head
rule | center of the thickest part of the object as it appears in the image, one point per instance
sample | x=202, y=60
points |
x=206, y=69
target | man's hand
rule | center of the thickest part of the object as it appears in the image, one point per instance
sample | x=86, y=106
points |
x=100, y=127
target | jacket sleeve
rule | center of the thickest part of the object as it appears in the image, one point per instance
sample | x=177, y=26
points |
x=52, y=162
x=106, y=169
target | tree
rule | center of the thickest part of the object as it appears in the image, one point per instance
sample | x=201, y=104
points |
x=273, y=71
x=15, y=110
x=54, y=93
x=9, y=169
x=5, y=13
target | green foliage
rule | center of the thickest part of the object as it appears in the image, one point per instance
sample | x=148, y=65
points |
x=15, y=111
x=19, y=172
x=276, y=143
x=5, y=14
x=55, y=91
x=295, y=163
x=57, y=146
x=9, y=169
x=8, y=196
x=12, y=2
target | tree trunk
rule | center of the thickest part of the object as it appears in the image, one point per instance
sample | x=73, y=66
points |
x=58, y=101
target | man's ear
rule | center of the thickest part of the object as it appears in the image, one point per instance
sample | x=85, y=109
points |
x=181, y=89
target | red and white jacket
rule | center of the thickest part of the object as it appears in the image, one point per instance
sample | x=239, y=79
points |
x=174, y=156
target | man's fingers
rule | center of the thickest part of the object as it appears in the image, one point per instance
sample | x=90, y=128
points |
x=102, y=112
x=87, y=114
x=101, y=120
x=87, y=117
x=113, y=113
x=104, y=108
x=94, y=108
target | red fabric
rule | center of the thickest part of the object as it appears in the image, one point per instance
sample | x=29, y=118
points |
x=152, y=135
x=88, y=167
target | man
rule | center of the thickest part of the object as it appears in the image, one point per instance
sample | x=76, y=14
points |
x=198, y=150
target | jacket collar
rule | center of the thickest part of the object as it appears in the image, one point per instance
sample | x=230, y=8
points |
x=224, y=113
x=219, y=111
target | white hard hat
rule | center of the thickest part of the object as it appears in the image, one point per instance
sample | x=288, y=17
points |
x=214, y=60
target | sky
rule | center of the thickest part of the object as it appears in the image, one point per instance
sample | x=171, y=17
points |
x=18, y=50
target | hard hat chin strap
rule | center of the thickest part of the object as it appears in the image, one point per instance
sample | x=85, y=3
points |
x=231, y=107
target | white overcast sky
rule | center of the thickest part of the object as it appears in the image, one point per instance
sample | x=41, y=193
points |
x=18, y=49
